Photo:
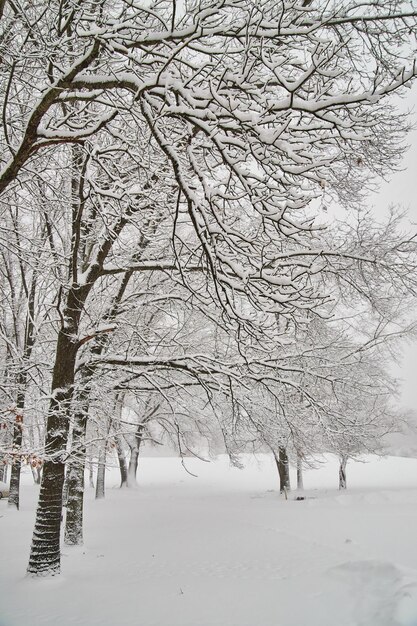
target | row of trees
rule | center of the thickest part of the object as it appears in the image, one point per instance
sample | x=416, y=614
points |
x=167, y=266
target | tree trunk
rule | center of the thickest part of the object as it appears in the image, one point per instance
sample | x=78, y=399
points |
x=37, y=474
x=76, y=471
x=29, y=340
x=101, y=472
x=134, y=456
x=7, y=435
x=3, y=472
x=14, y=489
x=122, y=464
x=300, y=484
x=90, y=473
x=133, y=466
x=45, y=550
x=101, y=464
x=283, y=468
x=342, y=472
x=73, y=535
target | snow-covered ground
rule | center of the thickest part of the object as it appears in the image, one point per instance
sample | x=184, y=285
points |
x=225, y=549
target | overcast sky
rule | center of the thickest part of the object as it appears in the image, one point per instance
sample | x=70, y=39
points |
x=402, y=190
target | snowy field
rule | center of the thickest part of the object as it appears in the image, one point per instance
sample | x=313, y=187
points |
x=225, y=549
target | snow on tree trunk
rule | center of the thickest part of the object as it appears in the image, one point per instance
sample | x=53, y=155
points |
x=342, y=472
x=21, y=384
x=37, y=474
x=284, y=463
x=283, y=468
x=101, y=463
x=300, y=484
x=75, y=474
x=45, y=550
x=75, y=481
x=122, y=464
x=134, y=456
x=101, y=472
x=90, y=474
x=75, y=499
x=3, y=471
x=14, y=493
x=133, y=466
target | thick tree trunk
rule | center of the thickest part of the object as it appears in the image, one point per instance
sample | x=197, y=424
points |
x=283, y=468
x=45, y=553
x=300, y=484
x=342, y=472
x=45, y=550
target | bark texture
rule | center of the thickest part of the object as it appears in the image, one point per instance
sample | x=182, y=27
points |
x=342, y=472
x=14, y=492
x=21, y=383
x=122, y=464
x=90, y=474
x=134, y=455
x=44, y=556
x=300, y=483
x=3, y=472
x=75, y=482
x=283, y=467
x=101, y=473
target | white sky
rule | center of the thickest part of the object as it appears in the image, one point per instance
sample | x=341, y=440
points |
x=402, y=190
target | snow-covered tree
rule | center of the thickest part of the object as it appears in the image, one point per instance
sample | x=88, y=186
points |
x=229, y=117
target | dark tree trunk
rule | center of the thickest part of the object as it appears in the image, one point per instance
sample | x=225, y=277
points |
x=283, y=468
x=342, y=472
x=300, y=484
x=45, y=550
